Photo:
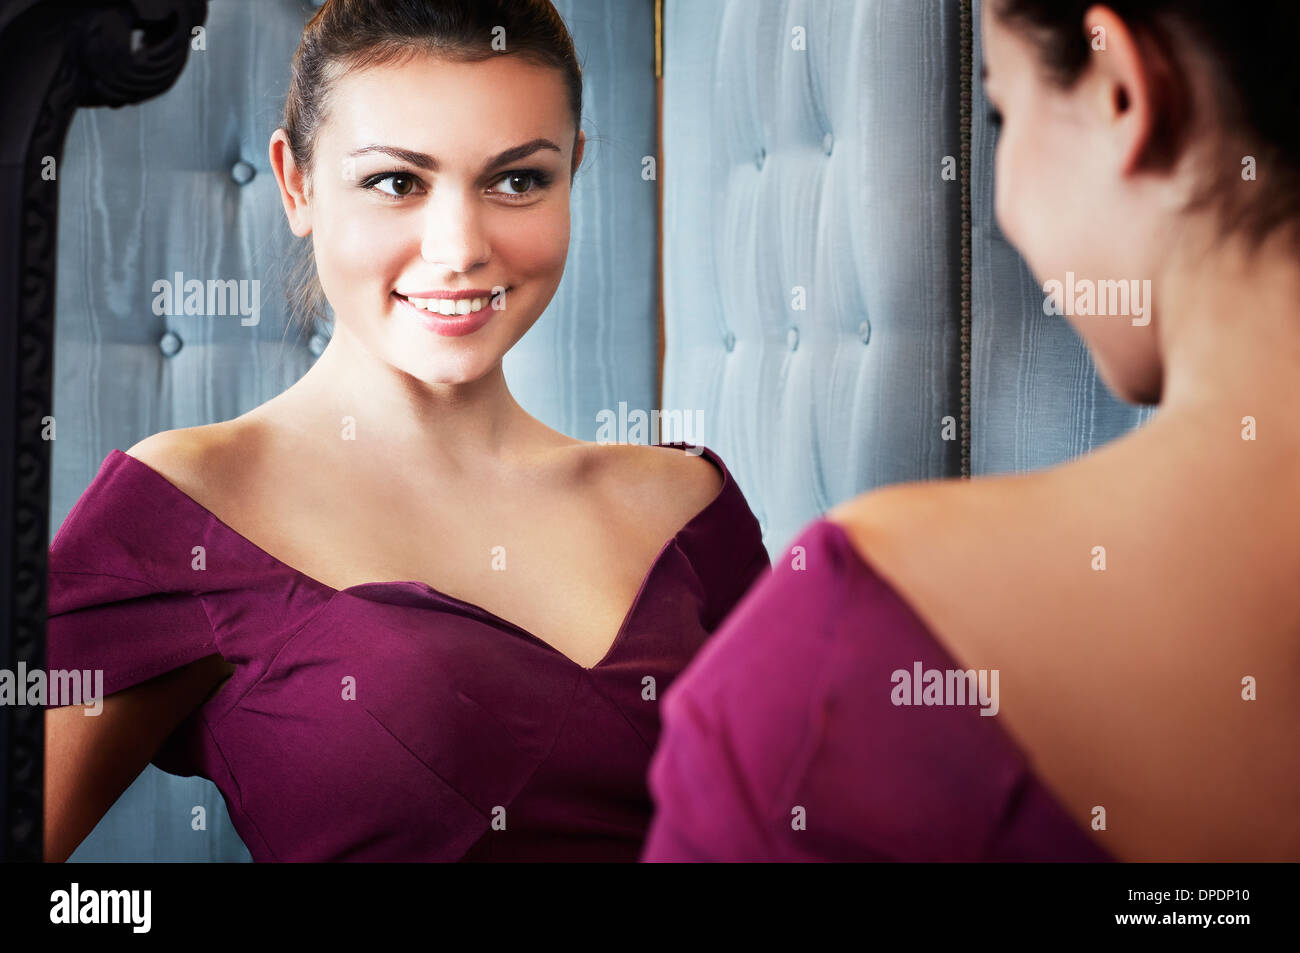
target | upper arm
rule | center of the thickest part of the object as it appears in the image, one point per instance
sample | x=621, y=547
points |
x=91, y=759
x=124, y=627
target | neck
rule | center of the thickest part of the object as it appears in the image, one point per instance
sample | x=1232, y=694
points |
x=428, y=424
x=1229, y=324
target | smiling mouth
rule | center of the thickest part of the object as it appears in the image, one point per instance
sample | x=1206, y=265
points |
x=447, y=307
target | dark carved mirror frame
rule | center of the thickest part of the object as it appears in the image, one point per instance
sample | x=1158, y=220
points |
x=55, y=57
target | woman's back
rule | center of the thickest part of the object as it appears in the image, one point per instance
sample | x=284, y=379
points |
x=1142, y=606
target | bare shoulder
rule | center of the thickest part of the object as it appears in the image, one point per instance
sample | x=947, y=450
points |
x=686, y=481
x=891, y=506
x=195, y=459
x=668, y=485
x=172, y=448
x=896, y=509
x=913, y=527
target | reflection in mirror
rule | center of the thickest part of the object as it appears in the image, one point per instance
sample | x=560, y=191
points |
x=356, y=596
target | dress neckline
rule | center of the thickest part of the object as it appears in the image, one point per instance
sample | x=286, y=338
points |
x=362, y=589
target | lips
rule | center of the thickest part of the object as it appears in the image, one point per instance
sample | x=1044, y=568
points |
x=454, y=323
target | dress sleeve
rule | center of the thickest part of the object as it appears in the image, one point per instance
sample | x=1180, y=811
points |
x=754, y=566
x=124, y=601
x=125, y=628
x=735, y=724
x=726, y=548
x=781, y=741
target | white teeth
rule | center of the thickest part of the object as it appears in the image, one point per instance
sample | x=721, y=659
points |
x=450, y=306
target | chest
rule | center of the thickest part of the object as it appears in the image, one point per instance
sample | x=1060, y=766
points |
x=566, y=575
x=389, y=728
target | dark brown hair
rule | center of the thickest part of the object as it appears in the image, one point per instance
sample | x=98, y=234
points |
x=345, y=35
x=1251, y=48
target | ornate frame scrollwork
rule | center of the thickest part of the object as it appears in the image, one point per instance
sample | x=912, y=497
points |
x=55, y=56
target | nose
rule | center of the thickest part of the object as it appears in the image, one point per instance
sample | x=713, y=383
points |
x=454, y=236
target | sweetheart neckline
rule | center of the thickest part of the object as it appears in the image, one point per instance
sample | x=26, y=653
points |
x=487, y=614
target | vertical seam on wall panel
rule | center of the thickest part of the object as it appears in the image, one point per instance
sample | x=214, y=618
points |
x=967, y=82
x=659, y=191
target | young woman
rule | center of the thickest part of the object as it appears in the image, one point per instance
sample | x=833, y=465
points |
x=389, y=613
x=1140, y=607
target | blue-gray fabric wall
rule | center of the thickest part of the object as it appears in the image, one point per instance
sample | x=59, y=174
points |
x=811, y=245
x=181, y=184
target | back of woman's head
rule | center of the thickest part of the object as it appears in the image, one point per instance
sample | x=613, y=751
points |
x=1249, y=52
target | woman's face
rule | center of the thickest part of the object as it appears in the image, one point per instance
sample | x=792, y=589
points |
x=1068, y=200
x=436, y=177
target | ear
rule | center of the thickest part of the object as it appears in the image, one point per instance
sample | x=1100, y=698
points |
x=294, y=187
x=1127, y=85
x=577, y=153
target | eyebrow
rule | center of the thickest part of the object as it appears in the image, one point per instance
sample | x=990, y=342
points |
x=422, y=160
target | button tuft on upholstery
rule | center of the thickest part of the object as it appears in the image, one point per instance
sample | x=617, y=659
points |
x=864, y=331
x=729, y=341
x=792, y=338
x=760, y=158
x=317, y=343
x=169, y=343
x=828, y=143
x=242, y=172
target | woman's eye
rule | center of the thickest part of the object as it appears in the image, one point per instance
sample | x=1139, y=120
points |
x=399, y=184
x=995, y=118
x=520, y=183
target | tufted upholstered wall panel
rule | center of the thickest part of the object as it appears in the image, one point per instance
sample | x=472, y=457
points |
x=815, y=168
x=182, y=184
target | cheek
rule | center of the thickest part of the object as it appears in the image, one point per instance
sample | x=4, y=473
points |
x=1018, y=188
x=356, y=249
x=532, y=245
x=1037, y=196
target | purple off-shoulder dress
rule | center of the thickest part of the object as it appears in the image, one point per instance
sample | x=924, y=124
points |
x=782, y=740
x=468, y=738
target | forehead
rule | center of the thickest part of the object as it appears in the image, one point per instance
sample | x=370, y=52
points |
x=429, y=103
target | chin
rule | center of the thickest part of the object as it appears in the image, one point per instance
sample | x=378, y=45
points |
x=1143, y=388
x=432, y=359
x=441, y=372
